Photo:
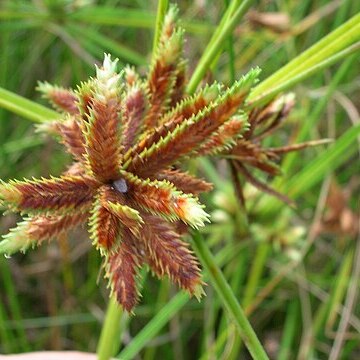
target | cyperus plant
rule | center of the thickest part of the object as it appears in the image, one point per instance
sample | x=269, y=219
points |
x=126, y=136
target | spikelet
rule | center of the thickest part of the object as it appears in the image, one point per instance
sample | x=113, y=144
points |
x=121, y=268
x=162, y=198
x=225, y=138
x=134, y=108
x=60, y=195
x=104, y=228
x=72, y=137
x=112, y=201
x=164, y=70
x=60, y=98
x=102, y=140
x=185, y=182
x=32, y=232
x=168, y=255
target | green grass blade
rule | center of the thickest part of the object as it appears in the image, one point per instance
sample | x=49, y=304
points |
x=311, y=120
x=228, y=298
x=290, y=328
x=161, y=12
x=106, y=43
x=337, y=40
x=288, y=83
x=14, y=305
x=130, y=18
x=26, y=108
x=214, y=47
x=154, y=326
x=340, y=286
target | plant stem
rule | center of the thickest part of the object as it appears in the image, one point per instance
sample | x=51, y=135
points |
x=14, y=306
x=161, y=11
x=154, y=326
x=214, y=46
x=231, y=53
x=110, y=333
x=228, y=298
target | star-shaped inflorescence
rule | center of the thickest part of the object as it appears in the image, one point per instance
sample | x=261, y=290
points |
x=125, y=135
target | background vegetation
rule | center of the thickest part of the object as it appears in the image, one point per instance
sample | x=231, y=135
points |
x=295, y=271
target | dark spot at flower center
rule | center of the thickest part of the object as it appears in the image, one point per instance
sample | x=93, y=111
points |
x=120, y=185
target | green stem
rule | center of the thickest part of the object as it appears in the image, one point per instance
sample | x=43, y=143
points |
x=26, y=108
x=230, y=9
x=154, y=326
x=161, y=11
x=216, y=45
x=110, y=338
x=252, y=285
x=14, y=305
x=231, y=53
x=163, y=296
x=289, y=332
x=228, y=298
x=6, y=336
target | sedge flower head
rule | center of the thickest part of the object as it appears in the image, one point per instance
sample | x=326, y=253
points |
x=128, y=137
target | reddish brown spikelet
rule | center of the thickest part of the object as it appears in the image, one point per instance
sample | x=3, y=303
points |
x=179, y=86
x=47, y=227
x=225, y=137
x=135, y=105
x=162, y=78
x=76, y=169
x=152, y=197
x=168, y=255
x=33, y=231
x=169, y=25
x=55, y=195
x=169, y=149
x=72, y=137
x=185, y=182
x=191, y=105
x=121, y=268
x=85, y=94
x=104, y=228
x=115, y=203
x=162, y=198
x=168, y=29
x=266, y=119
x=251, y=153
x=131, y=77
x=62, y=99
x=102, y=140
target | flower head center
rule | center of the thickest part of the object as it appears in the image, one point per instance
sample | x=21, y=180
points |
x=120, y=185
